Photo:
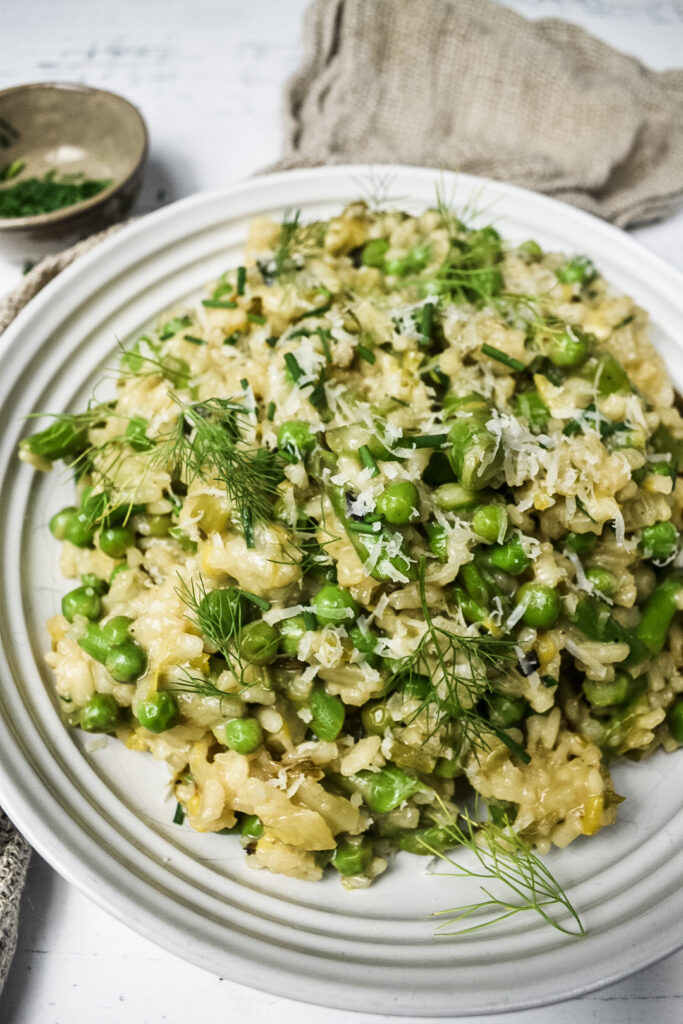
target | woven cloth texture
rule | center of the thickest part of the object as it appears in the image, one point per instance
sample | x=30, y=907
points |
x=470, y=86
x=465, y=85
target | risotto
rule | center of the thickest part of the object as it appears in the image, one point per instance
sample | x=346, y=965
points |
x=385, y=526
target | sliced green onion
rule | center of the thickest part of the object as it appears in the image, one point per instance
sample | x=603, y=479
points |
x=232, y=339
x=358, y=527
x=219, y=304
x=293, y=366
x=193, y=339
x=179, y=816
x=270, y=411
x=241, y=279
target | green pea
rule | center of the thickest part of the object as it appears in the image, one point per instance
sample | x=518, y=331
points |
x=251, y=827
x=505, y=711
x=542, y=605
x=295, y=437
x=510, y=557
x=602, y=579
x=580, y=270
x=530, y=406
x=117, y=630
x=60, y=522
x=398, y=502
x=490, y=522
x=438, y=541
x=659, y=541
x=334, y=606
x=454, y=497
x=223, y=608
x=531, y=251
x=386, y=789
x=157, y=526
x=352, y=859
x=259, y=643
x=100, y=586
x=83, y=601
x=126, y=662
x=115, y=540
x=94, y=643
x=376, y=719
x=606, y=694
x=674, y=720
x=158, y=712
x=291, y=631
x=328, y=714
x=243, y=735
x=374, y=252
x=100, y=714
x=79, y=530
x=568, y=348
x=580, y=543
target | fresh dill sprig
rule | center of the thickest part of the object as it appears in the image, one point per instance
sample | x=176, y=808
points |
x=502, y=856
x=201, y=686
x=221, y=624
x=296, y=240
x=206, y=443
x=458, y=669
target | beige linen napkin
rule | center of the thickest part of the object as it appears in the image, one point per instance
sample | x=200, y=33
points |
x=471, y=86
x=460, y=84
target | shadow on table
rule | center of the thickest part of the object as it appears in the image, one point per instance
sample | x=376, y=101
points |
x=35, y=907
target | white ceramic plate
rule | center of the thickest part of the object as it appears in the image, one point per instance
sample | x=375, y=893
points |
x=102, y=817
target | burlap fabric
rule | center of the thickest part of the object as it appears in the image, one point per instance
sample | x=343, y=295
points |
x=460, y=84
x=471, y=86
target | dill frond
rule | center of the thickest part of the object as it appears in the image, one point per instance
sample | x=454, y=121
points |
x=206, y=443
x=503, y=857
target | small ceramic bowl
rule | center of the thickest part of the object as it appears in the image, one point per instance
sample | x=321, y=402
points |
x=71, y=129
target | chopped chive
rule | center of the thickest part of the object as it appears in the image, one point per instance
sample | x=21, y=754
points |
x=172, y=327
x=624, y=322
x=324, y=335
x=225, y=288
x=179, y=816
x=368, y=459
x=317, y=310
x=270, y=412
x=219, y=304
x=300, y=332
x=244, y=384
x=310, y=621
x=503, y=357
x=355, y=527
x=232, y=339
x=399, y=401
x=317, y=396
x=426, y=324
x=254, y=318
x=241, y=279
x=423, y=441
x=194, y=340
x=260, y=602
x=293, y=366
x=366, y=353
x=272, y=340
x=248, y=528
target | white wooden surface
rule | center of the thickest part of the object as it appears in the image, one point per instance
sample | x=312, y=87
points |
x=208, y=77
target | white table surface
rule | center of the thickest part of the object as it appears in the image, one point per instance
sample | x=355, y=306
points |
x=208, y=77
